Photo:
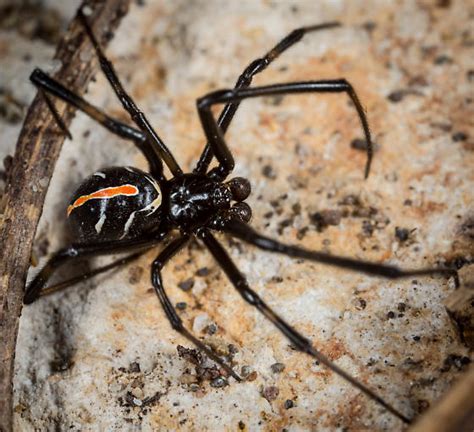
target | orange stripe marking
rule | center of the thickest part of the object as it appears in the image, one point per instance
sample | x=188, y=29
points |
x=106, y=193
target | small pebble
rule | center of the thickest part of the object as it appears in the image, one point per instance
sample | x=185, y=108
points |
x=277, y=367
x=134, y=367
x=268, y=172
x=211, y=329
x=138, y=393
x=134, y=274
x=219, y=382
x=252, y=376
x=194, y=387
x=361, y=304
x=402, y=234
x=459, y=136
x=270, y=393
x=200, y=322
x=233, y=349
x=324, y=218
x=396, y=96
x=443, y=59
x=203, y=271
x=181, y=305
x=186, y=285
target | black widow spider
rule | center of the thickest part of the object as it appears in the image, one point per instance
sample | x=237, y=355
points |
x=120, y=209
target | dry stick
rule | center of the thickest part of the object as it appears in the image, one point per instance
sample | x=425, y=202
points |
x=455, y=410
x=36, y=153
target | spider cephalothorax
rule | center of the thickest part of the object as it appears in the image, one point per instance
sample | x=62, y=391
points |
x=195, y=200
x=122, y=209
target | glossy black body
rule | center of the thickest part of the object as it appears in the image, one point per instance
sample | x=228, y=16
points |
x=186, y=202
x=194, y=199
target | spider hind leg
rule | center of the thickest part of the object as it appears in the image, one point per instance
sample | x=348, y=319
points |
x=176, y=323
x=300, y=342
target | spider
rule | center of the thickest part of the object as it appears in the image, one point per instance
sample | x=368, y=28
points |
x=123, y=209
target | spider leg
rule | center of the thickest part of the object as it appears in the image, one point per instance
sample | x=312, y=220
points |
x=89, y=274
x=47, y=84
x=174, y=319
x=249, y=235
x=300, y=342
x=137, y=116
x=77, y=251
x=245, y=79
x=216, y=138
x=55, y=113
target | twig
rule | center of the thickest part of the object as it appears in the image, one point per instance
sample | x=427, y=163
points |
x=454, y=412
x=37, y=150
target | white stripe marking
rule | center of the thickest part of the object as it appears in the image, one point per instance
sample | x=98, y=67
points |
x=100, y=223
x=128, y=224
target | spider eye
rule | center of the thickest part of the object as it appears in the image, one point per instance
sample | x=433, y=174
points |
x=221, y=196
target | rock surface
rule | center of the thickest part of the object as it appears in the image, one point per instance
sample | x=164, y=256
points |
x=102, y=356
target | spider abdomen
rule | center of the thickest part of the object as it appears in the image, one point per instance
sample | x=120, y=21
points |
x=114, y=203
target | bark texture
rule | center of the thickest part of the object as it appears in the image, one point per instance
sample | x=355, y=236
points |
x=37, y=150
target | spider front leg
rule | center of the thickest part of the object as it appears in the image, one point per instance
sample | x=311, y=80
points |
x=215, y=135
x=176, y=323
x=78, y=251
x=129, y=105
x=300, y=342
x=48, y=85
x=91, y=273
x=245, y=79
